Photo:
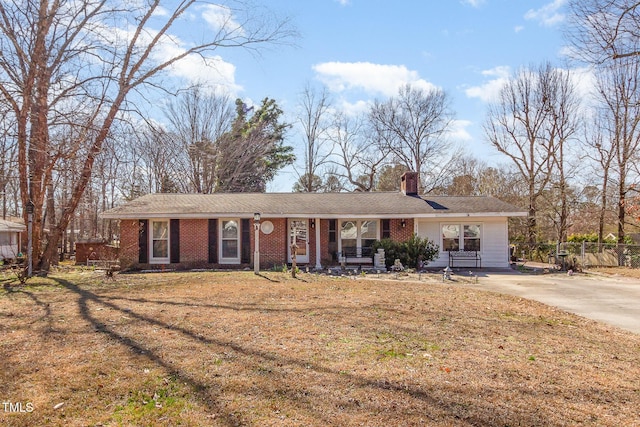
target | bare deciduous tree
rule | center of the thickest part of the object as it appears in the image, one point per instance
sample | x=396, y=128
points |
x=601, y=152
x=563, y=107
x=77, y=64
x=528, y=125
x=197, y=121
x=605, y=34
x=464, y=181
x=8, y=162
x=619, y=90
x=412, y=127
x=358, y=157
x=314, y=119
x=602, y=30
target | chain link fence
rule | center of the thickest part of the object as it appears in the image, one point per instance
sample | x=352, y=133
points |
x=578, y=255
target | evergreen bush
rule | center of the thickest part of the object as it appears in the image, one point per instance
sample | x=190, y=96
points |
x=413, y=253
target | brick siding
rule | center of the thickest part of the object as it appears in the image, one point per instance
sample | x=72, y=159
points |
x=400, y=233
x=194, y=244
x=129, y=231
x=273, y=247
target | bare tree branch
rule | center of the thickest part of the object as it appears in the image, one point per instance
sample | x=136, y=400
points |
x=92, y=56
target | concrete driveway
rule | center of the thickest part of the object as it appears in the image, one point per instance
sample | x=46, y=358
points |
x=612, y=300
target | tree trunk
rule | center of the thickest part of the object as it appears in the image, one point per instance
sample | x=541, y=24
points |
x=531, y=226
x=621, y=212
x=564, y=212
x=532, y=223
x=622, y=196
x=603, y=206
x=78, y=190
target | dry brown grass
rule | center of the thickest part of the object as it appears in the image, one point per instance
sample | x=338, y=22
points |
x=228, y=349
x=617, y=271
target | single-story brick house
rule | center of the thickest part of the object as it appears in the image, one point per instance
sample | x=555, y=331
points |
x=218, y=230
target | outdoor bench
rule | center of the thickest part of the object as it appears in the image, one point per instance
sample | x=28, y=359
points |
x=465, y=256
x=102, y=264
x=353, y=255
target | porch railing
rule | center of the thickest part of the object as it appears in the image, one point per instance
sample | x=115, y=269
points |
x=356, y=252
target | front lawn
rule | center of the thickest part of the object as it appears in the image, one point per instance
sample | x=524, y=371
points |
x=224, y=349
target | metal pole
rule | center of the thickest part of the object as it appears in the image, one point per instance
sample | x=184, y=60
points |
x=30, y=207
x=4, y=204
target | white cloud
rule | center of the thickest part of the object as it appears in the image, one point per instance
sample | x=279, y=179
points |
x=354, y=109
x=518, y=28
x=220, y=18
x=371, y=78
x=473, y=3
x=458, y=131
x=585, y=82
x=490, y=90
x=549, y=14
x=213, y=72
x=161, y=11
x=343, y=2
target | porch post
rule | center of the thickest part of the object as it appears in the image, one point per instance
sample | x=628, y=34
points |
x=318, y=264
x=256, y=243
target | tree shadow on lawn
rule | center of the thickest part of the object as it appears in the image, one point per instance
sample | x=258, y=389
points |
x=446, y=405
x=239, y=307
x=46, y=307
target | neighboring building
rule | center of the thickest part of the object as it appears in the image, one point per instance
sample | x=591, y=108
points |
x=10, y=241
x=217, y=230
x=88, y=250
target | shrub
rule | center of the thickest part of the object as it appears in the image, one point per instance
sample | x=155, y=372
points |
x=590, y=238
x=579, y=238
x=410, y=253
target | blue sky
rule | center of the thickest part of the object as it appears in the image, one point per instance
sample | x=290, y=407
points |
x=365, y=49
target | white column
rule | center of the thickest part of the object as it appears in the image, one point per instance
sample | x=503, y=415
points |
x=256, y=256
x=256, y=243
x=318, y=264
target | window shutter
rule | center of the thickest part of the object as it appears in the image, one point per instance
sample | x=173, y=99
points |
x=386, y=228
x=143, y=241
x=245, y=245
x=174, y=239
x=213, y=241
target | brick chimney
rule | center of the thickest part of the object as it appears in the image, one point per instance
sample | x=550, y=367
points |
x=409, y=183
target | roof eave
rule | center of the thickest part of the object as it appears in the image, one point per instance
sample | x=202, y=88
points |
x=201, y=215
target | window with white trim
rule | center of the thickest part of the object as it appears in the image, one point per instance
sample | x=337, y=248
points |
x=159, y=243
x=357, y=237
x=230, y=241
x=461, y=237
x=7, y=239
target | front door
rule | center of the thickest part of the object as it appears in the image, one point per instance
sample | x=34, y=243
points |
x=298, y=233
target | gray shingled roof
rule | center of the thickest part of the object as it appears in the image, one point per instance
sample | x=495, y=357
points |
x=308, y=205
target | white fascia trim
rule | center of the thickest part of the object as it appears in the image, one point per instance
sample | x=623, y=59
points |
x=205, y=215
